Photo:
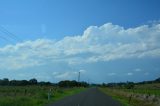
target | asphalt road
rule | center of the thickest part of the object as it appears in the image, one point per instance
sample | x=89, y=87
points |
x=90, y=97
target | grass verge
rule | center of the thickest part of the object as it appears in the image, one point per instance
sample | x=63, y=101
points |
x=123, y=98
x=33, y=95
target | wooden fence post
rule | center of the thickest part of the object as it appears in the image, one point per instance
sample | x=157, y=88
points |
x=130, y=98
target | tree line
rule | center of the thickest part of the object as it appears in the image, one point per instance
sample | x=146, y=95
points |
x=129, y=85
x=73, y=83
x=33, y=81
x=68, y=83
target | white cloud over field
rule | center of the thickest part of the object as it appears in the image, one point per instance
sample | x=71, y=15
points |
x=105, y=43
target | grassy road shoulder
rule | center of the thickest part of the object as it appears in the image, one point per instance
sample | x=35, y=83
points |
x=34, y=95
x=128, y=98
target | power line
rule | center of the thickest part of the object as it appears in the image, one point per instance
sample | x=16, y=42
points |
x=2, y=37
x=9, y=34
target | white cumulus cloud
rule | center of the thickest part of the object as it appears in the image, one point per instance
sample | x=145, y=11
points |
x=137, y=70
x=105, y=43
x=68, y=75
x=111, y=74
x=129, y=73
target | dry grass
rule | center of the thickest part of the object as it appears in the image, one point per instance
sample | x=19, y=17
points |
x=129, y=98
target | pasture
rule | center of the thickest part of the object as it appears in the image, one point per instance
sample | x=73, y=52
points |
x=140, y=95
x=33, y=95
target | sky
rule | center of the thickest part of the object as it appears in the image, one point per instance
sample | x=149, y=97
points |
x=104, y=40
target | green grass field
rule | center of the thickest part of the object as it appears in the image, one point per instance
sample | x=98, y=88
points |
x=122, y=94
x=33, y=95
x=143, y=91
x=122, y=97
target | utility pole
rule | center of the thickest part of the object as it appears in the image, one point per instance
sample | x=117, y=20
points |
x=79, y=77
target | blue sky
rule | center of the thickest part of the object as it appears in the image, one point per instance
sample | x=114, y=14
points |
x=106, y=40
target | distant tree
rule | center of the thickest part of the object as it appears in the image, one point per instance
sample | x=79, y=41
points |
x=33, y=81
x=18, y=83
x=23, y=83
x=73, y=83
x=48, y=83
x=84, y=84
x=13, y=83
x=129, y=85
x=64, y=83
x=111, y=84
x=103, y=85
x=157, y=80
x=42, y=83
x=5, y=81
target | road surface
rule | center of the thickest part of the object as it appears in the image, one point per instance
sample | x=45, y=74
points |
x=90, y=97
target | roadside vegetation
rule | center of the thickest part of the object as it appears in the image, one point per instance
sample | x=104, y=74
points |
x=33, y=93
x=145, y=93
